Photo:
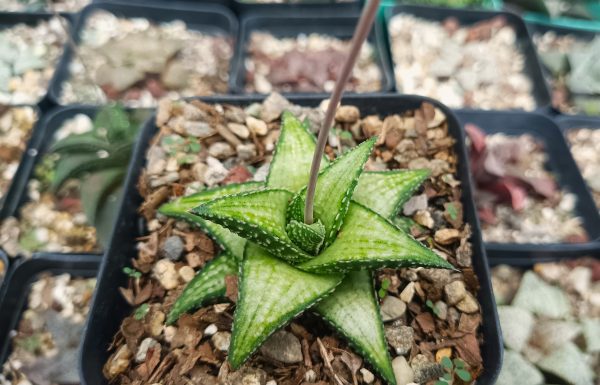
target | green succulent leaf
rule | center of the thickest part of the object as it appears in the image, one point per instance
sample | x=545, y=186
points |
x=271, y=293
x=291, y=163
x=207, y=285
x=73, y=166
x=257, y=216
x=367, y=240
x=80, y=143
x=353, y=310
x=96, y=187
x=114, y=119
x=308, y=237
x=179, y=209
x=335, y=187
x=386, y=191
x=106, y=216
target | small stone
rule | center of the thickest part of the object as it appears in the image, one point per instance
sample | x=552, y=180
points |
x=198, y=129
x=414, y=204
x=517, y=325
x=579, y=279
x=468, y=304
x=240, y=130
x=569, y=364
x=517, y=370
x=215, y=172
x=173, y=248
x=247, y=376
x=347, y=114
x=271, y=382
x=541, y=298
x=187, y=273
x=256, y=126
x=446, y=236
x=367, y=376
x=442, y=310
x=147, y=344
x=272, y=107
x=402, y=371
x=408, y=293
x=423, y=217
x=211, y=330
x=220, y=150
x=392, y=308
x=118, y=362
x=400, y=338
x=371, y=126
x=439, y=277
x=444, y=352
x=551, y=334
x=455, y=292
x=164, y=271
x=284, y=347
x=221, y=340
x=170, y=332
x=310, y=376
x=425, y=370
x=246, y=151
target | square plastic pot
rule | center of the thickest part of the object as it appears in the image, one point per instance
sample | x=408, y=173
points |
x=560, y=163
x=289, y=23
x=101, y=329
x=16, y=288
x=467, y=17
x=210, y=18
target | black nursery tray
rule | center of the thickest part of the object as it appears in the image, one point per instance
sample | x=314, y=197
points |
x=14, y=292
x=532, y=69
x=210, y=18
x=563, y=167
x=289, y=23
x=7, y=202
x=101, y=329
x=38, y=146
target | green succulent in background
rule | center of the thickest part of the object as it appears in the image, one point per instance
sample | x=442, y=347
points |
x=99, y=160
x=286, y=266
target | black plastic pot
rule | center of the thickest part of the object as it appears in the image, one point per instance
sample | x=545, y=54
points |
x=292, y=7
x=532, y=68
x=210, y=18
x=7, y=202
x=101, y=329
x=291, y=24
x=10, y=19
x=13, y=296
x=38, y=147
x=540, y=28
x=560, y=163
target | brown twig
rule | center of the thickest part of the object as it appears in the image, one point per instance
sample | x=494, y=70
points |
x=360, y=34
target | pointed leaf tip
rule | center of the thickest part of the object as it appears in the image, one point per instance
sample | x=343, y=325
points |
x=258, y=216
x=353, y=310
x=207, y=285
x=367, y=240
x=386, y=191
x=271, y=293
x=290, y=167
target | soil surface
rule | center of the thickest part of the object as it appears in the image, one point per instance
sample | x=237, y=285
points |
x=429, y=314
